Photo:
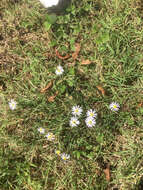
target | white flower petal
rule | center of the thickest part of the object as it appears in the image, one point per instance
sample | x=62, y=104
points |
x=90, y=121
x=114, y=106
x=77, y=110
x=59, y=70
x=12, y=104
x=65, y=157
x=91, y=113
x=41, y=130
x=74, y=122
x=50, y=137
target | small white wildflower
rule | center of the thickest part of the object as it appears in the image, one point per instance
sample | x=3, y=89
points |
x=76, y=110
x=59, y=70
x=50, y=137
x=114, y=106
x=65, y=157
x=41, y=130
x=90, y=121
x=91, y=113
x=12, y=104
x=74, y=122
x=58, y=152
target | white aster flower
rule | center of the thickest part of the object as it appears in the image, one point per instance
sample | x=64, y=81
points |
x=41, y=130
x=65, y=157
x=58, y=152
x=59, y=70
x=90, y=121
x=114, y=106
x=74, y=122
x=50, y=137
x=12, y=104
x=76, y=110
x=91, y=113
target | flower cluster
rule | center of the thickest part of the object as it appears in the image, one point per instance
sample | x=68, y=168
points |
x=76, y=112
x=51, y=137
x=90, y=115
x=90, y=120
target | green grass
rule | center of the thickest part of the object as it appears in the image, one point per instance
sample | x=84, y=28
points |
x=110, y=34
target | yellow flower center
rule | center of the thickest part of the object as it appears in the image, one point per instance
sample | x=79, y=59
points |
x=59, y=70
x=91, y=114
x=114, y=106
x=64, y=158
x=76, y=110
x=58, y=152
x=50, y=136
x=13, y=104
